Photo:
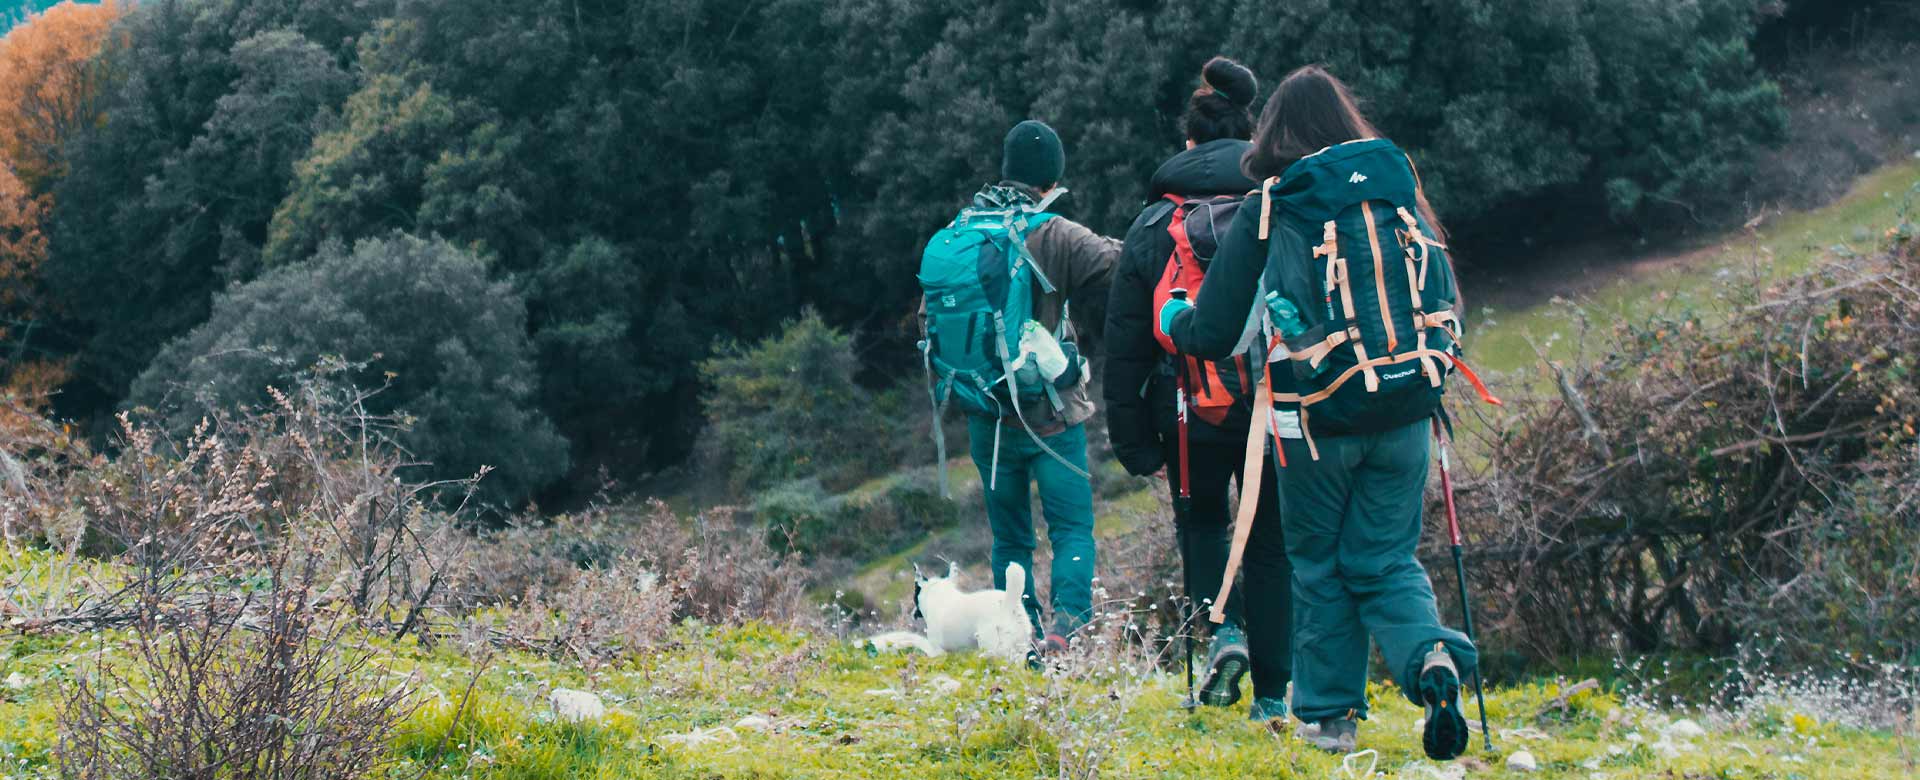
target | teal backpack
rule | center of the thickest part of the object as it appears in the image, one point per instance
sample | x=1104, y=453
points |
x=978, y=279
x=1360, y=293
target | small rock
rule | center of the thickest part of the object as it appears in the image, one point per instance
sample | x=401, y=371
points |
x=701, y=736
x=1522, y=761
x=575, y=706
x=944, y=685
x=1685, y=729
x=754, y=723
x=1527, y=733
x=17, y=682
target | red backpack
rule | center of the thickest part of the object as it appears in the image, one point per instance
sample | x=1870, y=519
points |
x=1209, y=389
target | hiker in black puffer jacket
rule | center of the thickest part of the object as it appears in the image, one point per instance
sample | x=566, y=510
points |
x=1142, y=391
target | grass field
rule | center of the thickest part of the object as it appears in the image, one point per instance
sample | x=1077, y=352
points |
x=757, y=702
x=1780, y=247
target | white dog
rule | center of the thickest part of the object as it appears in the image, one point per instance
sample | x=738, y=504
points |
x=993, y=621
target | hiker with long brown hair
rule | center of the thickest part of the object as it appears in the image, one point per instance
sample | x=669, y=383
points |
x=1345, y=260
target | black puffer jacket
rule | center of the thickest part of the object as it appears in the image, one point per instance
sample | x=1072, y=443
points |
x=1139, y=382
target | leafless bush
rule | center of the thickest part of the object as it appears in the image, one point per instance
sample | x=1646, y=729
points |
x=247, y=686
x=602, y=614
x=1717, y=474
x=612, y=579
x=312, y=469
x=729, y=574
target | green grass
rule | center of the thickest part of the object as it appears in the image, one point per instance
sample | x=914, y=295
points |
x=835, y=714
x=1782, y=247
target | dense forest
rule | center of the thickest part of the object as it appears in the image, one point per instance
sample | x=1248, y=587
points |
x=530, y=221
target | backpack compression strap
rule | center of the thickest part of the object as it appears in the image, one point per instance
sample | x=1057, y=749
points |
x=1249, y=494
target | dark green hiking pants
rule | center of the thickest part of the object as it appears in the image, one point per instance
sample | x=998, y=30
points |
x=1352, y=520
x=1066, y=499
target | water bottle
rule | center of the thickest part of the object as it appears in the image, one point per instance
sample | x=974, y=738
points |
x=1286, y=320
x=1285, y=317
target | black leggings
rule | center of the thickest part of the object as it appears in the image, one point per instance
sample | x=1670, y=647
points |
x=1263, y=599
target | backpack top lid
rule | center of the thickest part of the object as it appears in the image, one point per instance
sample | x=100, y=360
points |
x=1321, y=185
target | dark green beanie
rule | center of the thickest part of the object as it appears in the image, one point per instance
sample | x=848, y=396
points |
x=1033, y=155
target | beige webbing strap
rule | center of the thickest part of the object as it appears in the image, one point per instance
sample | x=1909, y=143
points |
x=1249, y=495
x=1317, y=354
x=1306, y=432
x=1359, y=345
x=1380, y=279
x=1424, y=243
x=1329, y=248
x=1266, y=204
x=1420, y=320
x=1369, y=364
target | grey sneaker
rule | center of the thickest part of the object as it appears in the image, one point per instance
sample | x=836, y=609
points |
x=1227, y=662
x=1267, y=708
x=1335, y=735
x=1445, y=737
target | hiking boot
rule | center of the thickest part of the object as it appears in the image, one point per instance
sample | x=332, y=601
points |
x=1335, y=735
x=1053, y=646
x=1267, y=708
x=1226, y=664
x=1445, y=737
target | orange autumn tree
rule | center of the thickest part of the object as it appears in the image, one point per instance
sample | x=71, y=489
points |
x=48, y=80
x=47, y=84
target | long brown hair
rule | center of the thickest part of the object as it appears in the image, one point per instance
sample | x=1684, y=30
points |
x=1310, y=111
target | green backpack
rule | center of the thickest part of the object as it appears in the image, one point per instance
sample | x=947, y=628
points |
x=1376, y=334
x=977, y=278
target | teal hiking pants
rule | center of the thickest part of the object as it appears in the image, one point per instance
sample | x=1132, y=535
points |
x=1352, y=521
x=1066, y=500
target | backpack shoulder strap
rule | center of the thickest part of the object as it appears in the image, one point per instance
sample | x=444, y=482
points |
x=1156, y=211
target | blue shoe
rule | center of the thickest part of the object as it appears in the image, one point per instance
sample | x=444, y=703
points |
x=1227, y=662
x=1267, y=708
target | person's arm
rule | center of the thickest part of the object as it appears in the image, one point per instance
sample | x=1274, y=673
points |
x=1132, y=355
x=1212, y=328
x=1080, y=264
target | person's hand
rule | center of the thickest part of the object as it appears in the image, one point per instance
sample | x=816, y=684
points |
x=1172, y=309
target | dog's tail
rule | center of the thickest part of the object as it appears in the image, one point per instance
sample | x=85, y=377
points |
x=1016, y=585
x=902, y=640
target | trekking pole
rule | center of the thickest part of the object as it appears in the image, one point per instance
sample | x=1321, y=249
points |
x=1182, y=505
x=1460, y=569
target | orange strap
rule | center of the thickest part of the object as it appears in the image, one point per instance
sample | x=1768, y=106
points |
x=1474, y=379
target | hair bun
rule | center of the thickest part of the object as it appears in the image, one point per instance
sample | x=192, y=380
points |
x=1230, y=79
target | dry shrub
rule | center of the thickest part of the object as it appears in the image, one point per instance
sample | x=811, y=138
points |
x=249, y=685
x=600, y=615
x=1713, y=476
x=313, y=470
x=612, y=579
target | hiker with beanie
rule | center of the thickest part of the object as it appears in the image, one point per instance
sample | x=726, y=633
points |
x=1343, y=266
x=1188, y=416
x=1002, y=286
